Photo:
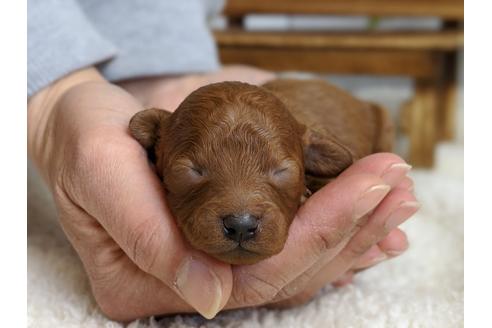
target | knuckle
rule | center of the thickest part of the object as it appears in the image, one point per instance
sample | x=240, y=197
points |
x=358, y=247
x=141, y=243
x=105, y=261
x=329, y=239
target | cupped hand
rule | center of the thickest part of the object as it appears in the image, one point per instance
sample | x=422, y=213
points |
x=112, y=207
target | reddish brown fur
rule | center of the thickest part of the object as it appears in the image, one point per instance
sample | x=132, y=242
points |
x=236, y=148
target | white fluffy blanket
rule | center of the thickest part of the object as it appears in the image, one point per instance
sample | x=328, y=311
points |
x=422, y=288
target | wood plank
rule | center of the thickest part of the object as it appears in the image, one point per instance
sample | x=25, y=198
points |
x=449, y=9
x=438, y=40
x=423, y=124
x=446, y=114
x=337, y=61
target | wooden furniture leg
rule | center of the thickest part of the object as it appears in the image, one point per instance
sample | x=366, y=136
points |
x=422, y=123
x=447, y=99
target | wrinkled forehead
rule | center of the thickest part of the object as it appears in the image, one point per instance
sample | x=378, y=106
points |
x=228, y=104
x=243, y=121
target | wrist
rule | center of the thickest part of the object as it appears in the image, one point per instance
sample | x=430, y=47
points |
x=41, y=107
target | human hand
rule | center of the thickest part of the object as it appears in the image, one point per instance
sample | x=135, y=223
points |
x=168, y=92
x=112, y=207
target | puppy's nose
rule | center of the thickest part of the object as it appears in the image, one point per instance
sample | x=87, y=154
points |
x=240, y=227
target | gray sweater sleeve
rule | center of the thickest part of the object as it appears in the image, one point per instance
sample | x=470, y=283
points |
x=60, y=40
x=126, y=39
x=154, y=37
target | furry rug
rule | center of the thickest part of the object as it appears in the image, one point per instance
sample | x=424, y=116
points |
x=422, y=288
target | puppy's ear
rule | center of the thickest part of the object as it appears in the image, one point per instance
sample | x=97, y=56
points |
x=324, y=156
x=145, y=126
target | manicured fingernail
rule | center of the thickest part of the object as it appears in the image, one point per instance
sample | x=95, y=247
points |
x=402, y=213
x=199, y=287
x=395, y=172
x=370, y=199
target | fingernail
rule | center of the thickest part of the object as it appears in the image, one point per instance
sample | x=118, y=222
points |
x=402, y=213
x=395, y=172
x=394, y=252
x=199, y=287
x=370, y=199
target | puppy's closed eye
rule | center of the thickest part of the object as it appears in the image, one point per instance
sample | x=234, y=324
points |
x=280, y=171
x=285, y=172
x=196, y=171
x=184, y=174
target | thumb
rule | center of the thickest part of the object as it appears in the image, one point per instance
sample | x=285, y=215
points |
x=120, y=190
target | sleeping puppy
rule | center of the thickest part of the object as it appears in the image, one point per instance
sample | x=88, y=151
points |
x=237, y=160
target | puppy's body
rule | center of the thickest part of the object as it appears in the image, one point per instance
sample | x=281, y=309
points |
x=235, y=159
x=363, y=128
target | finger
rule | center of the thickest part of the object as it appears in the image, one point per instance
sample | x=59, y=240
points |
x=345, y=279
x=329, y=269
x=396, y=208
x=406, y=183
x=321, y=225
x=390, y=167
x=394, y=244
x=243, y=73
x=371, y=257
x=117, y=186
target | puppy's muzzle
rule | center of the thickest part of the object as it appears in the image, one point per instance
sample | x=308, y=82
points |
x=240, y=227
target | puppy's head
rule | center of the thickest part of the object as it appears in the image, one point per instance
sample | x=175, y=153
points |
x=231, y=159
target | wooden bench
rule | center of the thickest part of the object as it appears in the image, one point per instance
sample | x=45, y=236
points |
x=427, y=56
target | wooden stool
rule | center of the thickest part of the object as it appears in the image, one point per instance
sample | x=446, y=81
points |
x=429, y=57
